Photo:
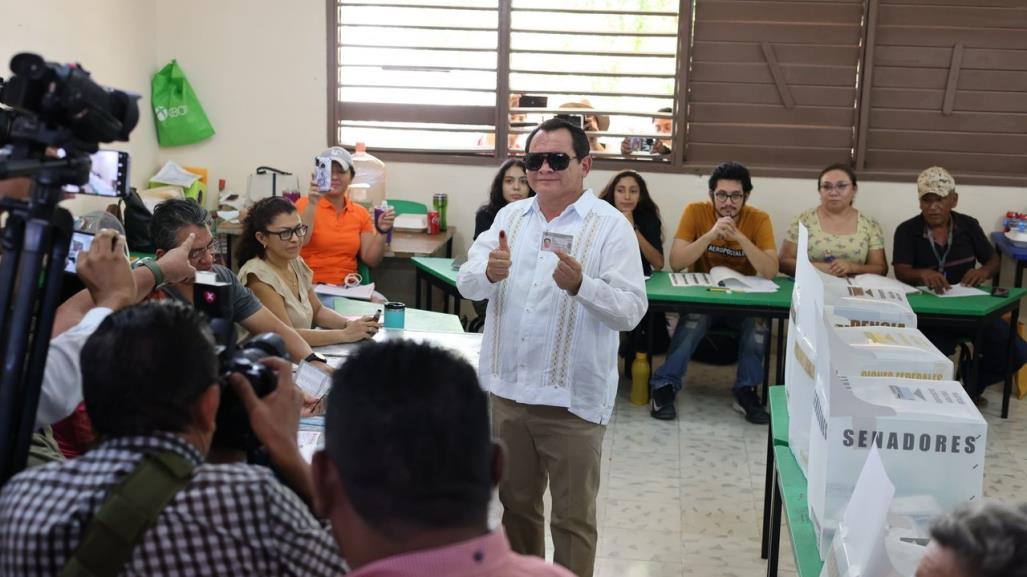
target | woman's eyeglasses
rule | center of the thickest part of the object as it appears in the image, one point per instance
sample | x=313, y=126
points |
x=839, y=186
x=287, y=234
x=557, y=160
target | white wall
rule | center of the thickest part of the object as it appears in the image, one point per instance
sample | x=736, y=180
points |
x=258, y=67
x=115, y=40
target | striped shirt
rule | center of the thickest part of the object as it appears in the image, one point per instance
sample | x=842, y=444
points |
x=231, y=519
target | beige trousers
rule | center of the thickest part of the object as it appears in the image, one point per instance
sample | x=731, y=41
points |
x=543, y=444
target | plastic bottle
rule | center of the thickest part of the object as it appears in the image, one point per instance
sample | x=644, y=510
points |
x=370, y=171
x=439, y=202
x=640, y=379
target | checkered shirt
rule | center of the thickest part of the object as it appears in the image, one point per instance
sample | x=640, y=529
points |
x=232, y=519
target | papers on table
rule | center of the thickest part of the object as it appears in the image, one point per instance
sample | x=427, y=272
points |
x=879, y=282
x=723, y=277
x=360, y=292
x=309, y=442
x=312, y=380
x=957, y=290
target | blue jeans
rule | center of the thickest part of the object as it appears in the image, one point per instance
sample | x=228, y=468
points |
x=690, y=331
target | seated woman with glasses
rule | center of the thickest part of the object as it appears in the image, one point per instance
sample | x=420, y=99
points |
x=271, y=266
x=842, y=240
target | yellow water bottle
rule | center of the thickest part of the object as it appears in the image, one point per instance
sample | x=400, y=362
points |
x=640, y=379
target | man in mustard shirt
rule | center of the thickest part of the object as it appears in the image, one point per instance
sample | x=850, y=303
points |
x=725, y=231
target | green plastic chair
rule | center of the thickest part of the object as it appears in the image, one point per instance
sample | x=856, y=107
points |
x=365, y=273
x=408, y=207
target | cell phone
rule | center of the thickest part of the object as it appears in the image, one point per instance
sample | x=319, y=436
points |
x=377, y=315
x=80, y=241
x=323, y=173
x=997, y=291
x=575, y=119
x=641, y=144
x=108, y=175
x=528, y=101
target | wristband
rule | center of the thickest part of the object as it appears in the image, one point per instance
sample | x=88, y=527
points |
x=158, y=275
x=380, y=231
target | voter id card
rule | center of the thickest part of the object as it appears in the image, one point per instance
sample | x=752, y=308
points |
x=554, y=241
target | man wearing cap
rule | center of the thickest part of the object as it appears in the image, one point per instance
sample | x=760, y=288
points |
x=939, y=248
x=341, y=231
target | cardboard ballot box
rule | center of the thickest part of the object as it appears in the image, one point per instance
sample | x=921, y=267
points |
x=856, y=350
x=857, y=306
x=930, y=436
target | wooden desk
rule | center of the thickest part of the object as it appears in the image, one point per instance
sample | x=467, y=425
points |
x=410, y=244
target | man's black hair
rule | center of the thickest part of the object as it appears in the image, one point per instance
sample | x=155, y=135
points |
x=578, y=136
x=170, y=216
x=731, y=171
x=145, y=367
x=407, y=427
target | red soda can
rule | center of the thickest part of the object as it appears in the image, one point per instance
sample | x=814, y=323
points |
x=433, y=222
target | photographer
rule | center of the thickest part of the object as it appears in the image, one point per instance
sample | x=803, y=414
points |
x=105, y=272
x=147, y=405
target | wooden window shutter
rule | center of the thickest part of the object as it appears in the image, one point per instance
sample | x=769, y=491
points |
x=946, y=84
x=773, y=84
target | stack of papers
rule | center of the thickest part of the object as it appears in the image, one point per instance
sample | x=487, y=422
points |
x=957, y=290
x=359, y=292
x=722, y=276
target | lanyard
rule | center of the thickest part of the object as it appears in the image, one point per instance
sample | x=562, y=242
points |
x=941, y=258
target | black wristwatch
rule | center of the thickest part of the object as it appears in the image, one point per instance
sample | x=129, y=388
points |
x=316, y=357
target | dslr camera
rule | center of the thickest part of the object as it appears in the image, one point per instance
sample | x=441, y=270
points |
x=233, y=424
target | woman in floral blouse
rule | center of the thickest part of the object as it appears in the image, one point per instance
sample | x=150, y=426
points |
x=842, y=240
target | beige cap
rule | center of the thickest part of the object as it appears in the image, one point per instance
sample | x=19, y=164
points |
x=935, y=180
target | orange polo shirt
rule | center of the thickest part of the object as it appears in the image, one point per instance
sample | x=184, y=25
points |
x=333, y=248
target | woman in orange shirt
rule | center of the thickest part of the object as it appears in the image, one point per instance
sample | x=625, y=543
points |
x=340, y=230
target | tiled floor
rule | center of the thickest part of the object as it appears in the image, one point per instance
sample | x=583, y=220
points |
x=685, y=497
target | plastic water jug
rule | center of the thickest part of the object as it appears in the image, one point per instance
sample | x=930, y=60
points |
x=370, y=171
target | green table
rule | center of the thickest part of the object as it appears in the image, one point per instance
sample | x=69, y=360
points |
x=786, y=484
x=790, y=489
x=437, y=272
x=664, y=297
x=416, y=319
x=777, y=436
x=973, y=314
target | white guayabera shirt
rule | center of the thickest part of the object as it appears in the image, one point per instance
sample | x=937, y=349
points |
x=543, y=346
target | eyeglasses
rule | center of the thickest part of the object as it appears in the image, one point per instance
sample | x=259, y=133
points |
x=198, y=253
x=839, y=186
x=557, y=160
x=300, y=231
x=733, y=197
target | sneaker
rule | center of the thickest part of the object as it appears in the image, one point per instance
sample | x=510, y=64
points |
x=747, y=403
x=661, y=403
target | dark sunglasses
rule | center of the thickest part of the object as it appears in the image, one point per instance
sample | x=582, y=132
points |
x=557, y=160
x=300, y=231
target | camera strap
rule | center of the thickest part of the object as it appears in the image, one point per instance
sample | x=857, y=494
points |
x=128, y=512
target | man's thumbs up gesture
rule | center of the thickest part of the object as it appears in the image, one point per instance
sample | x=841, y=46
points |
x=499, y=261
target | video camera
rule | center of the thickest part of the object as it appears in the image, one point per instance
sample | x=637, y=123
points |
x=52, y=117
x=233, y=424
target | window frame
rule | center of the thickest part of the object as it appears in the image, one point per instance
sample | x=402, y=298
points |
x=677, y=164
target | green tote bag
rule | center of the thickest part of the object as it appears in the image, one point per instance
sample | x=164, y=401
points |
x=177, y=113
